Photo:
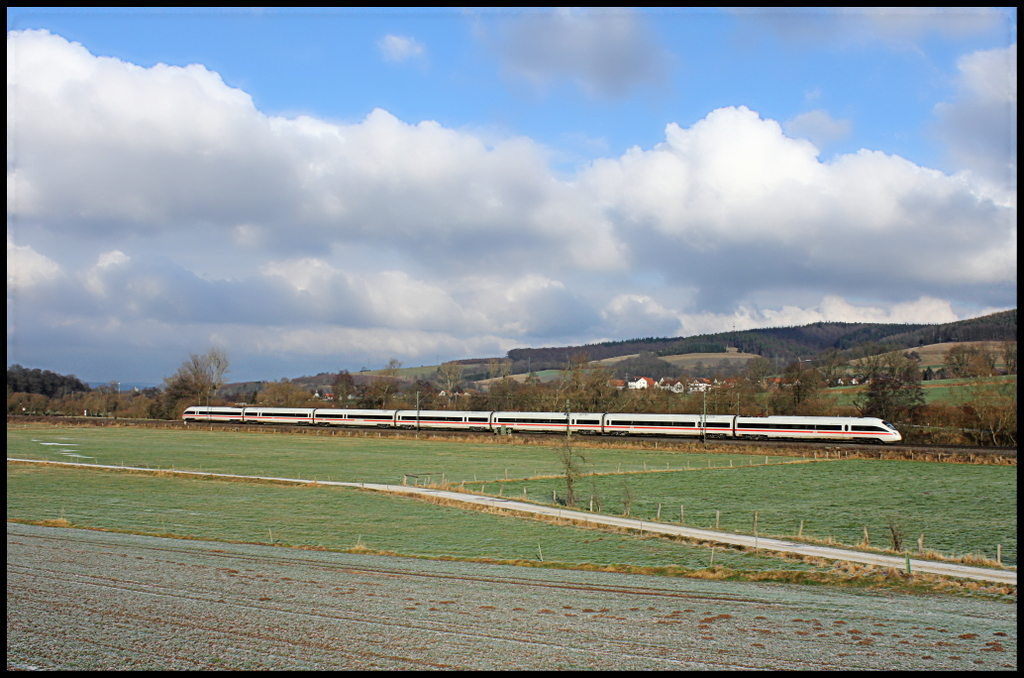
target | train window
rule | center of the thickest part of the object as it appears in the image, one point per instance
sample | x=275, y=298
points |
x=716, y=424
x=829, y=427
x=482, y=419
x=872, y=429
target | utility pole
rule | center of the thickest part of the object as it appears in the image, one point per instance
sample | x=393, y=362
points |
x=704, y=415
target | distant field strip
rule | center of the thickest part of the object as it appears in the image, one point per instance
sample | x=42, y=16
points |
x=768, y=544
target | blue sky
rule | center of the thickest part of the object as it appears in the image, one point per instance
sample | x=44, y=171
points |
x=321, y=190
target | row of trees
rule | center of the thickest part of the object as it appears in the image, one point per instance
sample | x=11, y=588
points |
x=974, y=360
x=195, y=382
x=43, y=382
x=984, y=411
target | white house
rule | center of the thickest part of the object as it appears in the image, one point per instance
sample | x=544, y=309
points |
x=674, y=385
x=699, y=385
x=640, y=382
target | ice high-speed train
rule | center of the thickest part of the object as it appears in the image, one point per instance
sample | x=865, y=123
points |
x=865, y=429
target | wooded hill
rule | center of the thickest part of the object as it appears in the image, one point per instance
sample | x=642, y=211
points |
x=783, y=344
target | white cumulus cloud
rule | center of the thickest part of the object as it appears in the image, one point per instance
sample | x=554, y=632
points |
x=28, y=268
x=400, y=48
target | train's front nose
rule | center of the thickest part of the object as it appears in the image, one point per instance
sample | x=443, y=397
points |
x=897, y=436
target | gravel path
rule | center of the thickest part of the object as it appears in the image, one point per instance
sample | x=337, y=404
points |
x=79, y=599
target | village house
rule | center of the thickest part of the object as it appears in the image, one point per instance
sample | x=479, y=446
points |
x=640, y=383
x=699, y=385
x=674, y=385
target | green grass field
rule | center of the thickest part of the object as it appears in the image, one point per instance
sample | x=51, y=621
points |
x=333, y=518
x=355, y=459
x=935, y=391
x=960, y=508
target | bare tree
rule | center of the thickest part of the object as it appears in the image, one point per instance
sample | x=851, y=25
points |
x=895, y=390
x=499, y=368
x=896, y=534
x=199, y=377
x=831, y=366
x=382, y=389
x=989, y=412
x=343, y=387
x=283, y=394
x=572, y=462
x=967, y=360
x=1009, y=354
x=449, y=376
x=627, y=496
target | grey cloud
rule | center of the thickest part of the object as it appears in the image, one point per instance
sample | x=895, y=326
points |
x=820, y=128
x=895, y=26
x=606, y=52
x=979, y=126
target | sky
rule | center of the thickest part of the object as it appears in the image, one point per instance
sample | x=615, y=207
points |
x=315, y=190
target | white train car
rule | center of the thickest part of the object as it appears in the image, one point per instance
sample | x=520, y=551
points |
x=338, y=417
x=278, y=415
x=694, y=425
x=866, y=429
x=208, y=413
x=444, y=419
x=551, y=422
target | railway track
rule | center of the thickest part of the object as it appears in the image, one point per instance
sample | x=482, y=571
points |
x=917, y=451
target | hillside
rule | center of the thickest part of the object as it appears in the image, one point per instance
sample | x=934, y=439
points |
x=782, y=343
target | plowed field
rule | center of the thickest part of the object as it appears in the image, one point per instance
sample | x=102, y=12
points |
x=79, y=599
